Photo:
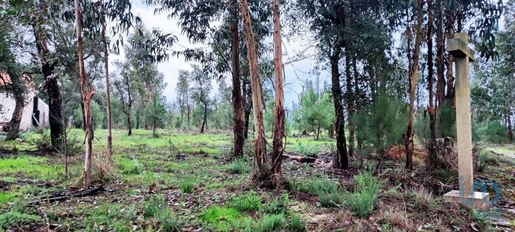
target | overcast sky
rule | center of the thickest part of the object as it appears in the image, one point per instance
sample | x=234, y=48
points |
x=296, y=72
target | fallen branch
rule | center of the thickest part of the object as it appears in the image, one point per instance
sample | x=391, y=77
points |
x=84, y=193
x=300, y=159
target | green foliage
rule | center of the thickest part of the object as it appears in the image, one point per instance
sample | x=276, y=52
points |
x=188, y=185
x=297, y=224
x=168, y=221
x=364, y=197
x=226, y=219
x=153, y=206
x=381, y=124
x=239, y=166
x=446, y=121
x=272, y=222
x=247, y=202
x=493, y=132
x=10, y=219
x=277, y=205
x=327, y=191
x=313, y=112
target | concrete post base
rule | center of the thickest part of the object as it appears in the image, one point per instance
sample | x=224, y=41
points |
x=478, y=200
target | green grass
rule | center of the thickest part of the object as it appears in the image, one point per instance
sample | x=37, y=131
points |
x=364, y=197
x=227, y=219
x=6, y=197
x=31, y=167
x=247, y=202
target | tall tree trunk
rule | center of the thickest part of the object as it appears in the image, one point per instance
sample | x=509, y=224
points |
x=449, y=96
x=279, y=96
x=359, y=141
x=237, y=98
x=440, y=59
x=341, y=159
x=430, y=80
x=349, y=96
x=260, y=168
x=86, y=96
x=129, y=123
x=108, y=92
x=51, y=85
x=247, y=107
x=413, y=85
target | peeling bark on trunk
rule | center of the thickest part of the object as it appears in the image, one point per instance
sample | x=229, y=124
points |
x=341, y=159
x=86, y=97
x=108, y=92
x=413, y=85
x=261, y=171
x=279, y=97
x=237, y=98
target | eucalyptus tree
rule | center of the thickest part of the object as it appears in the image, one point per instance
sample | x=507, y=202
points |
x=123, y=85
x=183, y=95
x=200, y=91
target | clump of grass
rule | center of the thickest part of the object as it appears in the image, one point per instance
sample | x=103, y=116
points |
x=277, y=205
x=327, y=191
x=153, y=206
x=168, y=221
x=14, y=218
x=423, y=198
x=226, y=218
x=272, y=222
x=484, y=159
x=364, y=197
x=188, y=185
x=297, y=224
x=397, y=219
x=298, y=186
x=239, y=166
x=247, y=202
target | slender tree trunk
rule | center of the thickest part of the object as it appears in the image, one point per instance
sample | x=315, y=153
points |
x=349, y=96
x=510, y=129
x=260, y=170
x=449, y=96
x=413, y=85
x=108, y=92
x=279, y=96
x=341, y=159
x=129, y=123
x=359, y=141
x=440, y=59
x=237, y=98
x=204, y=122
x=86, y=96
x=430, y=80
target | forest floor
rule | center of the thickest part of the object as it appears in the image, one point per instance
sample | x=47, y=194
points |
x=183, y=181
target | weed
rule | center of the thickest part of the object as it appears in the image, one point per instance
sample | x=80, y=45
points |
x=246, y=202
x=331, y=199
x=423, y=198
x=277, y=205
x=395, y=218
x=5, y=197
x=224, y=218
x=152, y=207
x=297, y=224
x=188, y=185
x=298, y=186
x=327, y=192
x=272, y=222
x=15, y=218
x=168, y=221
x=481, y=217
x=239, y=166
x=363, y=199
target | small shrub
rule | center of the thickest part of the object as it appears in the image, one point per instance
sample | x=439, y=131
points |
x=272, y=222
x=246, y=202
x=152, y=207
x=364, y=197
x=297, y=224
x=10, y=219
x=277, y=205
x=239, y=166
x=334, y=199
x=168, y=221
x=298, y=186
